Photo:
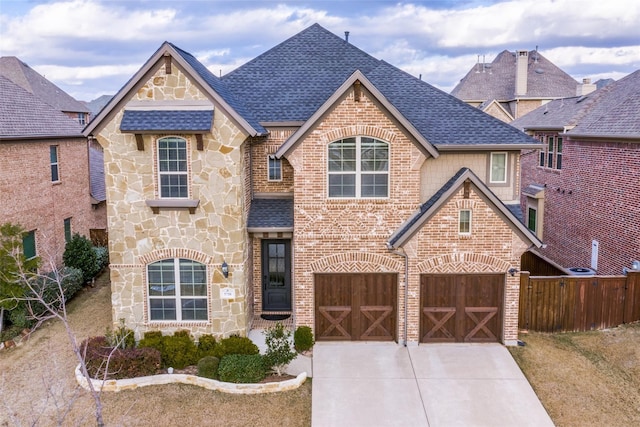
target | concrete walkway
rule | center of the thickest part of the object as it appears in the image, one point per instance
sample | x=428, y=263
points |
x=385, y=384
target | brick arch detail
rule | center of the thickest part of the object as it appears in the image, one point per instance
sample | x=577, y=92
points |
x=355, y=130
x=466, y=262
x=161, y=254
x=357, y=262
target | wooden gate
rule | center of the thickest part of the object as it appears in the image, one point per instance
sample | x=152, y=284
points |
x=356, y=307
x=461, y=308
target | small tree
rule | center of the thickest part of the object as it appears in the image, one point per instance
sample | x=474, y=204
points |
x=279, y=352
x=79, y=253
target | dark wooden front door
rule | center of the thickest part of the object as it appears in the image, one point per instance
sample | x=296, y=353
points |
x=276, y=275
x=461, y=307
x=356, y=307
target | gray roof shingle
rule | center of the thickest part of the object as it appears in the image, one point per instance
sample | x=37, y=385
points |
x=167, y=120
x=497, y=80
x=24, y=115
x=27, y=78
x=271, y=213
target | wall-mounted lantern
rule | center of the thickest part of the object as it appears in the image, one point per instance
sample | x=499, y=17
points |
x=513, y=271
x=225, y=269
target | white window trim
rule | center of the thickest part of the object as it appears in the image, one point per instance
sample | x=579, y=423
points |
x=177, y=297
x=506, y=167
x=358, y=172
x=269, y=158
x=465, y=233
x=160, y=173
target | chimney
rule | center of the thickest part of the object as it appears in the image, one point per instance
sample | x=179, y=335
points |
x=522, y=66
x=346, y=36
x=585, y=88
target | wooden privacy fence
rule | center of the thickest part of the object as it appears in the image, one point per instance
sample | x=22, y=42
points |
x=576, y=303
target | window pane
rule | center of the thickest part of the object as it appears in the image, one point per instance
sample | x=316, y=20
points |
x=172, y=155
x=54, y=173
x=498, y=167
x=275, y=169
x=194, y=309
x=161, y=278
x=29, y=244
x=465, y=221
x=559, y=161
x=67, y=229
x=531, y=220
x=192, y=278
x=374, y=155
x=53, y=154
x=173, y=186
x=162, y=309
x=342, y=185
x=542, y=156
x=342, y=155
x=374, y=185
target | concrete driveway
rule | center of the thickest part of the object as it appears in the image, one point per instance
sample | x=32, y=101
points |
x=385, y=384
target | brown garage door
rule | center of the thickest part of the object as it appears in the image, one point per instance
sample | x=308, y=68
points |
x=356, y=307
x=461, y=308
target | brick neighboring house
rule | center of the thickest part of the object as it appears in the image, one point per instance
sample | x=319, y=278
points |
x=314, y=181
x=515, y=83
x=44, y=172
x=580, y=192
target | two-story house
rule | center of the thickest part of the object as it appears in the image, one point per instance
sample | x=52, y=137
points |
x=515, y=83
x=580, y=190
x=314, y=181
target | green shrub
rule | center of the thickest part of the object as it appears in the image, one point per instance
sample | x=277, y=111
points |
x=105, y=362
x=152, y=339
x=206, y=345
x=241, y=368
x=179, y=350
x=79, y=253
x=279, y=352
x=122, y=336
x=208, y=367
x=235, y=345
x=102, y=257
x=303, y=338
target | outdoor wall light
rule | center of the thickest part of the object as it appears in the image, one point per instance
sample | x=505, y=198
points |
x=225, y=269
x=513, y=271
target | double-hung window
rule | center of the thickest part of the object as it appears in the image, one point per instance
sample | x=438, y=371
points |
x=358, y=167
x=177, y=290
x=53, y=160
x=275, y=169
x=172, y=168
x=464, y=222
x=498, y=168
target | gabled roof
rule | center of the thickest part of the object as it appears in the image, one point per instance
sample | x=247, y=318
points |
x=27, y=78
x=431, y=206
x=611, y=111
x=209, y=83
x=25, y=116
x=497, y=80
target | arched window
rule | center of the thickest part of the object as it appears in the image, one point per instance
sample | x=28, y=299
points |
x=358, y=167
x=172, y=167
x=177, y=290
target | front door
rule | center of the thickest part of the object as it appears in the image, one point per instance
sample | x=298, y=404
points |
x=276, y=275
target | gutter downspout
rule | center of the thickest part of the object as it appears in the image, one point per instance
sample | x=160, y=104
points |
x=406, y=286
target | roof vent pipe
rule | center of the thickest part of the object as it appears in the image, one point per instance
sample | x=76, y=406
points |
x=346, y=36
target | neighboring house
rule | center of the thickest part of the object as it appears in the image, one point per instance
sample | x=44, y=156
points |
x=27, y=78
x=44, y=172
x=315, y=181
x=516, y=83
x=97, y=104
x=580, y=192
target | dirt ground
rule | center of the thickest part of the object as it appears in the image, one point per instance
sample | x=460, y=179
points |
x=585, y=379
x=38, y=387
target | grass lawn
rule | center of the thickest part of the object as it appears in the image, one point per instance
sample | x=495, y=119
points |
x=38, y=387
x=585, y=378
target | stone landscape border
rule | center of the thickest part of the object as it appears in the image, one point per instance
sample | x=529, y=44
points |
x=133, y=383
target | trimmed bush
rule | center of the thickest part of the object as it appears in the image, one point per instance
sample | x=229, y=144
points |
x=208, y=367
x=279, y=352
x=79, y=253
x=104, y=361
x=152, y=339
x=179, y=350
x=102, y=257
x=303, y=338
x=206, y=345
x=241, y=368
x=235, y=345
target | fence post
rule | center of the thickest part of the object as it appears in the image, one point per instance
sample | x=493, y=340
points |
x=525, y=301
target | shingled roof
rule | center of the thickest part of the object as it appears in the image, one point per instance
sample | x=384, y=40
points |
x=23, y=115
x=27, y=78
x=497, y=80
x=610, y=111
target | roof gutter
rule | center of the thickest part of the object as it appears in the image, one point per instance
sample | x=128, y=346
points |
x=485, y=147
x=592, y=136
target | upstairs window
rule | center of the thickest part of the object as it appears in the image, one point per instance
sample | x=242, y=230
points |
x=53, y=160
x=177, y=290
x=498, y=168
x=358, y=167
x=532, y=219
x=29, y=244
x=172, y=168
x=275, y=169
x=551, y=155
x=464, y=222
x=67, y=230
x=82, y=118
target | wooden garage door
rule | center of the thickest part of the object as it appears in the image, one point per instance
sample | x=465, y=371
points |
x=356, y=307
x=461, y=308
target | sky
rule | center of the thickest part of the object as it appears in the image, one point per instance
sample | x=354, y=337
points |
x=91, y=48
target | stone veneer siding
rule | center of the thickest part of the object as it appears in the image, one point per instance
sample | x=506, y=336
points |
x=216, y=232
x=29, y=198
